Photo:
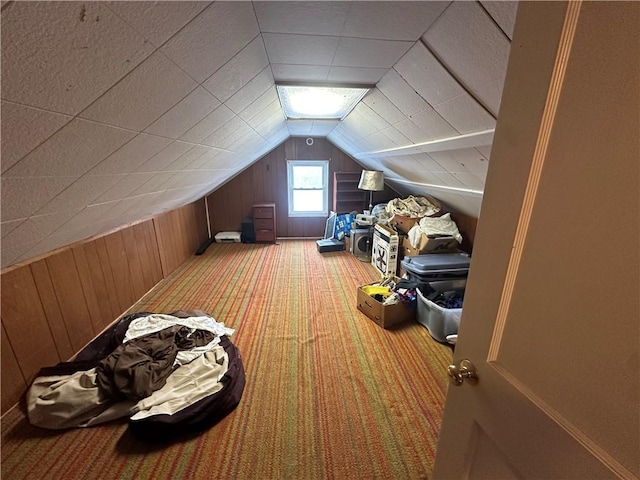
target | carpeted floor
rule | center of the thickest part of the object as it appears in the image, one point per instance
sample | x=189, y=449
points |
x=329, y=394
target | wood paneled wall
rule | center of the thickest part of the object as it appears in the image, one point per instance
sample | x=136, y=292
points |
x=266, y=181
x=53, y=306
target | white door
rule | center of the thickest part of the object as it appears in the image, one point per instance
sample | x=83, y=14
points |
x=551, y=317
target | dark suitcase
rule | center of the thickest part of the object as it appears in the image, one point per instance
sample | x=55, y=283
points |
x=436, y=266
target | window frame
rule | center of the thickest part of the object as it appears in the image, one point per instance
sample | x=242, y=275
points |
x=291, y=164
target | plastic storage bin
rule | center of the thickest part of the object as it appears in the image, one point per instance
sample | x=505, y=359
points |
x=440, y=321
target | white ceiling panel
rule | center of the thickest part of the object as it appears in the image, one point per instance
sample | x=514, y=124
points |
x=188, y=158
x=357, y=52
x=73, y=150
x=184, y=115
x=212, y=38
x=412, y=131
x=470, y=180
x=465, y=114
x=468, y=160
x=427, y=76
x=299, y=73
x=72, y=54
x=396, y=138
x=380, y=104
x=476, y=56
x=504, y=13
x=299, y=127
x=126, y=104
x=233, y=128
x=391, y=20
x=9, y=226
x=165, y=157
x=81, y=192
x=427, y=163
x=251, y=91
x=300, y=49
x=378, y=122
x=22, y=196
x=157, y=21
x=433, y=125
x=208, y=125
x=272, y=108
x=132, y=155
x=153, y=186
x=125, y=186
x=310, y=18
x=238, y=71
x=400, y=93
x=24, y=128
x=323, y=128
x=351, y=75
x=35, y=228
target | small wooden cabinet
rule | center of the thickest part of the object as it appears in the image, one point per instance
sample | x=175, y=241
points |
x=347, y=197
x=264, y=222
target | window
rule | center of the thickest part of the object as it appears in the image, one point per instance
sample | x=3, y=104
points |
x=308, y=182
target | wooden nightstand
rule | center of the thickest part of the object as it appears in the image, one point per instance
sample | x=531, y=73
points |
x=264, y=222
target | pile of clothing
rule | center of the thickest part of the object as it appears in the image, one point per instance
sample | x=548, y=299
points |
x=144, y=367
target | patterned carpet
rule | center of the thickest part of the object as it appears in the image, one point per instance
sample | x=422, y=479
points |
x=329, y=394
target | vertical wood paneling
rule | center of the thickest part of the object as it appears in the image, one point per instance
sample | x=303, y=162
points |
x=13, y=383
x=89, y=290
x=117, y=258
x=25, y=323
x=51, y=308
x=101, y=289
x=132, y=252
x=109, y=280
x=152, y=248
x=73, y=305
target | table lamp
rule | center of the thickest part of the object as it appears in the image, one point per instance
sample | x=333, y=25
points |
x=372, y=181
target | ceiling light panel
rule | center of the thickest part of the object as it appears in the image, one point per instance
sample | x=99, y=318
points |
x=313, y=102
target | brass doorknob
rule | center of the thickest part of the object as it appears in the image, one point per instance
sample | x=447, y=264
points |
x=464, y=370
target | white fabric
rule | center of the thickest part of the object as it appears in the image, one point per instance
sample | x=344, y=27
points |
x=157, y=321
x=443, y=225
x=413, y=207
x=186, y=385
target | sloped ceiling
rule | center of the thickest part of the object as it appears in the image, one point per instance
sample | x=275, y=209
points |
x=116, y=111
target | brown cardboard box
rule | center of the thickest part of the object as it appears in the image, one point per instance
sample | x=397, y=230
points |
x=383, y=315
x=430, y=245
x=403, y=224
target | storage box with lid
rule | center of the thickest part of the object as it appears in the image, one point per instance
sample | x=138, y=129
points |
x=440, y=321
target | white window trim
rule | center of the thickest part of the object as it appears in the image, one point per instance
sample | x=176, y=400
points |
x=325, y=191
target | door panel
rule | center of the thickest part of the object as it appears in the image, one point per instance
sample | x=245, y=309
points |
x=551, y=309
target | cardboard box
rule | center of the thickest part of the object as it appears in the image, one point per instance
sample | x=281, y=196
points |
x=383, y=315
x=403, y=224
x=430, y=245
x=384, y=250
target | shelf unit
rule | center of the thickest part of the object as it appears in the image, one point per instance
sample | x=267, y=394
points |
x=347, y=197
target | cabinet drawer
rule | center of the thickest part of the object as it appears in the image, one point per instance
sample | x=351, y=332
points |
x=262, y=212
x=263, y=224
x=265, y=236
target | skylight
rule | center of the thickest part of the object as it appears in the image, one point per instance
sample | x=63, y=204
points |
x=317, y=102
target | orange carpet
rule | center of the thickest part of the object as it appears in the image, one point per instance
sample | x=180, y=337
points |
x=329, y=394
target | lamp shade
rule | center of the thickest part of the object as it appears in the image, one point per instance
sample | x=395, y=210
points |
x=371, y=180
